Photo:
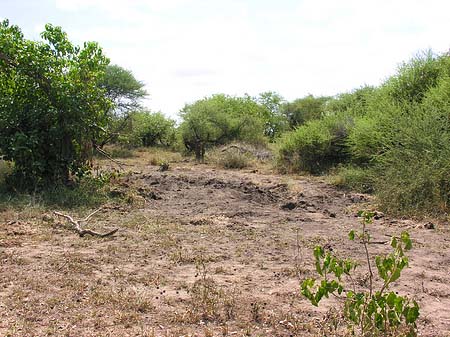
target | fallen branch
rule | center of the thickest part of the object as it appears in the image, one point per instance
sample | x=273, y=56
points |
x=78, y=227
x=239, y=148
x=107, y=155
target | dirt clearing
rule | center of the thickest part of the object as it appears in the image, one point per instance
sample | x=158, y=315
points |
x=201, y=252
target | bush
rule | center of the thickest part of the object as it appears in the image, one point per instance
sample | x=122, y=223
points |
x=230, y=158
x=412, y=173
x=219, y=120
x=370, y=311
x=396, y=139
x=88, y=191
x=52, y=108
x=6, y=168
x=148, y=129
x=304, y=109
x=316, y=146
x=415, y=77
x=353, y=178
x=121, y=152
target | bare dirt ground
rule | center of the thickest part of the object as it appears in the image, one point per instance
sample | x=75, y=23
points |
x=201, y=251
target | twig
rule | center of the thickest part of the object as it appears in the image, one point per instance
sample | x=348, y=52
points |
x=104, y=153
x=365, y=241
x=377, y=242
x=80, y=230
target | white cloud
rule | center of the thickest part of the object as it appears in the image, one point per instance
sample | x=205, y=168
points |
x=185, y=50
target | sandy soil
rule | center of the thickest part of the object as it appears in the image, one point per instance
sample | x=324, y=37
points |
x=202, y=252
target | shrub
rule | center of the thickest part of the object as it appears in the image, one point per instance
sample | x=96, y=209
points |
x=354, y=103
x=219, y=120
x=6, y=169
x=415, y=77
x=353, y=178
x=87, y=192
x=316, y=146
x=51, y=106
x=121, y=152
x=148, y=129
x=372, y=312
x=412, y=173
x=231, y=159
x=305, y=109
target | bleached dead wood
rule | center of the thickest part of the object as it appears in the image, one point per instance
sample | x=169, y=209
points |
x=77, y=225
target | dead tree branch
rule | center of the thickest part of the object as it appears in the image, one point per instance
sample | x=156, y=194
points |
x=107, y=155
x=78, y=227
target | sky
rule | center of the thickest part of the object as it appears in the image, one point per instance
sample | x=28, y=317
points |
x=184, y=50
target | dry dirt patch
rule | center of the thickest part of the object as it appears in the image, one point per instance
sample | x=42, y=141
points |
x=205, y=252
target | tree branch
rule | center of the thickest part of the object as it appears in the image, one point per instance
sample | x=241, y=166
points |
x=80, y=230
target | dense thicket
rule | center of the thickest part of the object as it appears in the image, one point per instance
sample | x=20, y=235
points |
x=51, y=108
x=58, y=101
x=393, y=139
x=220, y=119
x=146, y=128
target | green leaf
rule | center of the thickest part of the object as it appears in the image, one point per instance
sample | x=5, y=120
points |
x=395, y=275
x=394, y=242
x=406, y=240
x=390, y=299
x=411, y=313
x=351, y=235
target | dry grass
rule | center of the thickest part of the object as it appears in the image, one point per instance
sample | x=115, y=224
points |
x=217, y=255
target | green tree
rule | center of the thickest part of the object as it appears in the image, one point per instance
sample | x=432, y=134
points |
x=51, y=107
x=149, y=129
x=304, y=109
x=126, y=93
x=275, y=121
x=220, y=119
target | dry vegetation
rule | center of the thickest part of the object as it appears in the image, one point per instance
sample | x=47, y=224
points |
x=200, y=251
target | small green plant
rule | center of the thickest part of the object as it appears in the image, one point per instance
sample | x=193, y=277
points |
x=205, y=294
x=372, y=312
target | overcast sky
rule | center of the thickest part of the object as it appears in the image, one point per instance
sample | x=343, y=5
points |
x=184, y=50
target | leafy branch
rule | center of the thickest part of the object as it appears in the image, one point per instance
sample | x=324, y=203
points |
x=374, y=312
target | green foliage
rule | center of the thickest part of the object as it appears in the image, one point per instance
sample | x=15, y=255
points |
x=272, y=114
x=304, y=109
x=353, y=178
x=51, y=108
x=364, y=140
x=411, y=146
x=230, y=158
x=125, y=92
x=412, y=173
x=398, y=132
x=88, y=191
x=415, y=78
x=354, y=103
x=122, y=88
x=6, y=169
x=374, y=312
x=315, y=146
x=120, y=152
x=220, y=119
x=148, y=129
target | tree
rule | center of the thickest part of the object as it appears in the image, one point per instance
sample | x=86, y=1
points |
x=125, y=92
x=149, y=129
x=220, y=119
x=304, y=109
x=51, y=107
x=275, y=121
